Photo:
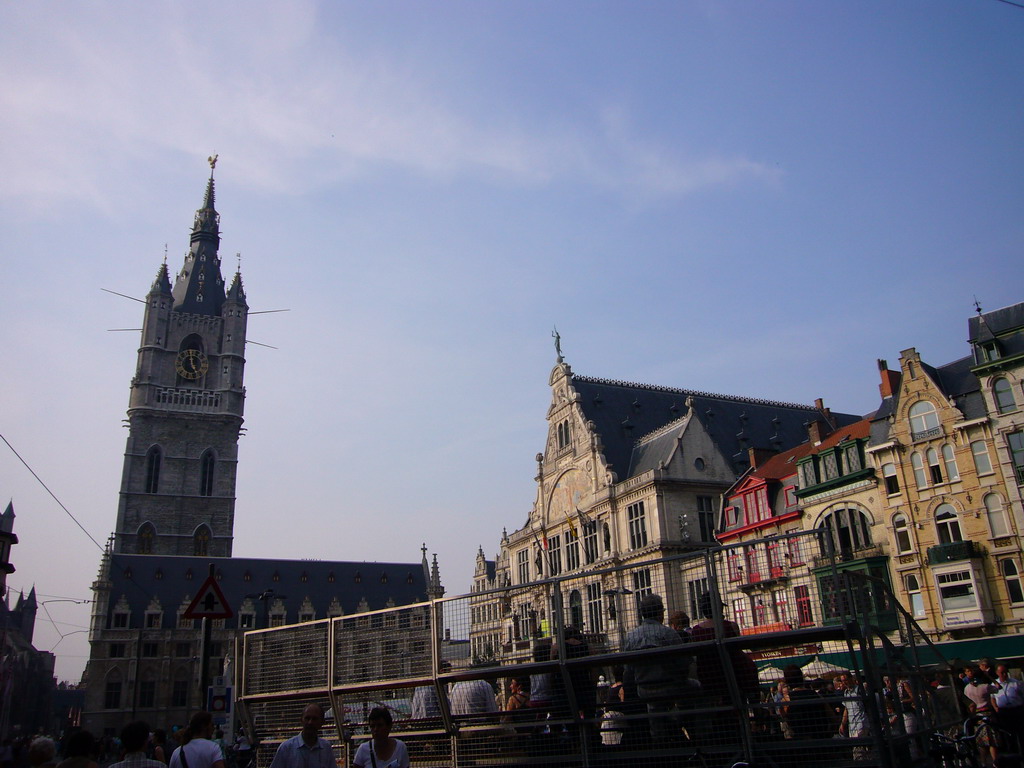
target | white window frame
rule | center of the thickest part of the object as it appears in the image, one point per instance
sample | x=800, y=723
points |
x=917, y=463
x=982, y=461
x=949, y=463
x=995, y=511
x=914, y=595
x=901, y=525
x=950, y=518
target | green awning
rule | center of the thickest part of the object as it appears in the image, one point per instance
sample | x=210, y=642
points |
x=1001, y=647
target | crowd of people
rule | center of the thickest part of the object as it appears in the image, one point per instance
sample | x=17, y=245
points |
x=680, y=695
x=198, y=745
x=672, y=694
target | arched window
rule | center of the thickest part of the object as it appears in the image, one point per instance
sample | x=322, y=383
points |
x=153, y=460
x=201, y=541
x=1011, y=576
x=920, y=478
x=901, y=530
x=934, y=468
x=112, y=690
x=949, y=462
x=144, y=539
x=923, y=419
x=996, y=515
x=892, y=480
x=576, y=609
x=1002, y=390
x=563, y=434
x=206, y=466
x=849, y=531
x=947, y=524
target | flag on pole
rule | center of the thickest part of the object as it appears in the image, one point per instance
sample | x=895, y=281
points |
x=572, y=525
x=583, y=516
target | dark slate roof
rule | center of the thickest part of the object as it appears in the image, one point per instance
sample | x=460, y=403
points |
x=624, y=412
x=956, y=381
x=140, y=578
x=880, y=421
x=995, y=322
x=199, y=287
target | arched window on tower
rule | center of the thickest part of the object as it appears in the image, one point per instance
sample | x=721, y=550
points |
x=144, y=539
x=201, y=541
x=206, y=467
x=153, y=460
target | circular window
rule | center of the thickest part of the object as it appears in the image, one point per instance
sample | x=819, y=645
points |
x=698, y=463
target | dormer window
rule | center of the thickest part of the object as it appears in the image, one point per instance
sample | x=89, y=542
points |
x=989, y=351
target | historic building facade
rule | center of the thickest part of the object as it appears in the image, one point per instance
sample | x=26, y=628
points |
x=946, y=503
x=176, y=515
x=629, y=473
x=27, y=684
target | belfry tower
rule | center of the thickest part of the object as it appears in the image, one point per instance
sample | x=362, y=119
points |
x=185, y=407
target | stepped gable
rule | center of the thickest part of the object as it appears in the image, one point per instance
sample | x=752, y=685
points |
x=141, y=578
x=625, y=412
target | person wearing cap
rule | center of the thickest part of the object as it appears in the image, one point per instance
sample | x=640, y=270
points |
x=658, y=680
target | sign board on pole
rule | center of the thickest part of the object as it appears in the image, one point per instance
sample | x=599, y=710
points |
x=209, y=602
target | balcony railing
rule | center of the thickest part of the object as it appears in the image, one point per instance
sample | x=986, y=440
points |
x=1019, y=469
x=925, y=434
x=848, y=556
x=952, y=552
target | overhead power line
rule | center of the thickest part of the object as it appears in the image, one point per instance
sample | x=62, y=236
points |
x=52, y=494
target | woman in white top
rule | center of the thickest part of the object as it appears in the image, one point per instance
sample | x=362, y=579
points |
x=196, y=750
x=381, y=751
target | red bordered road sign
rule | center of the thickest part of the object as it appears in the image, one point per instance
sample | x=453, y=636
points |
x=209, y=602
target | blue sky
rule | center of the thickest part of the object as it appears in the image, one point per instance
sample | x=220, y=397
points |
x=746, y=198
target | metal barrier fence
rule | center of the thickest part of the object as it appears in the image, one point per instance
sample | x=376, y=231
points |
x=560, y=671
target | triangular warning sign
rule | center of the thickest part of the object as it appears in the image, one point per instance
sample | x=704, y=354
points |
x=209, y=602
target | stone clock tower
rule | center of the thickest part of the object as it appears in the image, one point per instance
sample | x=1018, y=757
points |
x=185, y=408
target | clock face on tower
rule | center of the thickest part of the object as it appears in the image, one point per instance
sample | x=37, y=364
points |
x=191, y=364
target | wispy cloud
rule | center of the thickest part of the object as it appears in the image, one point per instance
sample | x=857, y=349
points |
x=99, y=89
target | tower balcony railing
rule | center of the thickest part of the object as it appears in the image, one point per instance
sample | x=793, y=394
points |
x=189, y=399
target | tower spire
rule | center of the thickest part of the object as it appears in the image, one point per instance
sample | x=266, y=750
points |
x=199, y=288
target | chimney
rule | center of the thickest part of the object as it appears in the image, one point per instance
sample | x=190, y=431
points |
x=890, y=379
x=826, y=412
x=759, y=456
x=817, y=430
